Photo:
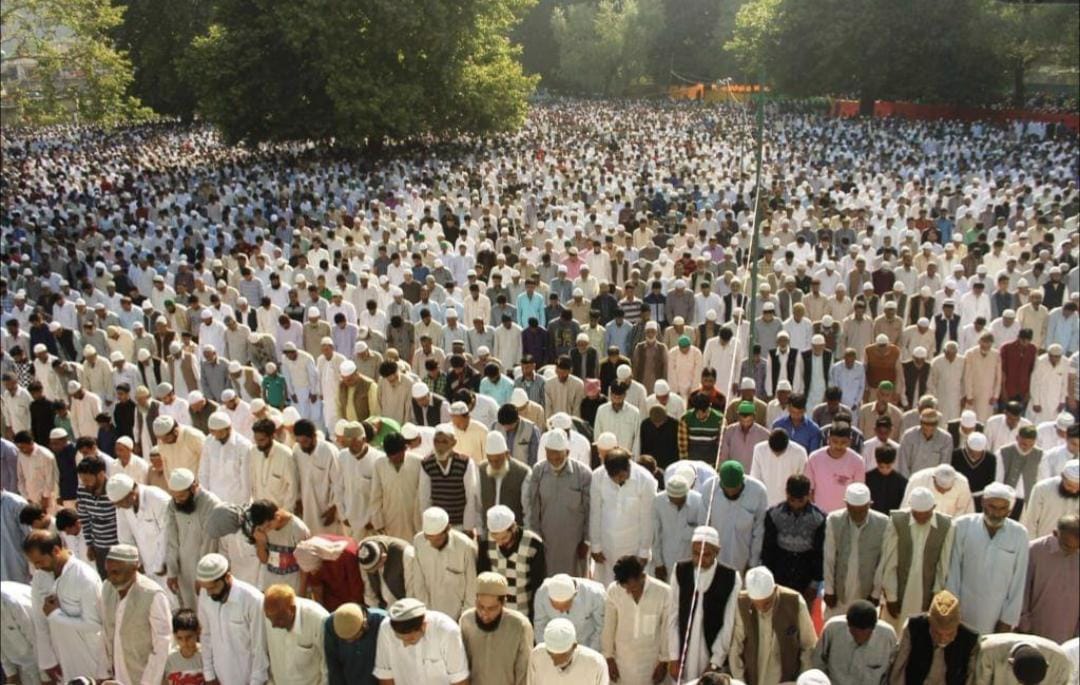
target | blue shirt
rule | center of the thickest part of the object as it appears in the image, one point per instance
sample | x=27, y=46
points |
x=352, y=663
x=499, y=391
x=1064, y=332
x=619, y=336
x=807, y=434
x=852, y=383
x=530, y=307
x=13, y=565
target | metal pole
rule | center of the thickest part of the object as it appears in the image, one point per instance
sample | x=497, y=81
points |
x=754, y=249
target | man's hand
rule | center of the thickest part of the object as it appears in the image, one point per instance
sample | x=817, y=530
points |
x=259, y=535
x=893, y=608
x=599, y=557
x=613, y=670
x=673, y=669
x=582, y=550
x=91, y=554
x=659, y=672
x=660, y=573
x=50, y=605
x=329, y=516
x=830, y=601
x=1037, y=408
x=1001, y=627
x=54, y=674
x=295, y=399
x=313, y=398
x=174, y=584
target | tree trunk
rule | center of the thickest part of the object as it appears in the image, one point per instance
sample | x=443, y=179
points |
x=866, y=105
x=1018, y=85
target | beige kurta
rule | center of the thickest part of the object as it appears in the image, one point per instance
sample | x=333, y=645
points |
x=634, y=632
x=768, y=656
x=185, y=453
x=946, y=383
x=982, y=378
x=395, y=497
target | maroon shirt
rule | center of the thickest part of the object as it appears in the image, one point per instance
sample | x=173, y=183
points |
x=1017, y=364
x=340, y=579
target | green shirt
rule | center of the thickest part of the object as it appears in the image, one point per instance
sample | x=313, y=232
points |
x=275, y=390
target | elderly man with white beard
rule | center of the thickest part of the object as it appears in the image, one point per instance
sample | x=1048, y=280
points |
x=224, y=470
x=621, y=497
x=136, y=619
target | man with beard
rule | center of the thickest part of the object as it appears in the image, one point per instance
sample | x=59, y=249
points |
x=136, y=620
x=96, y=513
x=233, y=630
x=141, y=515
x=516, y=554
x=224, y=471
x=503, y=479
x=320, y=473
x=356, y=457
x=989, y=563
x=274, y=475
x=187, y=539
x=935, y=647
x=448, y=480
x=497, y=639
x=1051, y=499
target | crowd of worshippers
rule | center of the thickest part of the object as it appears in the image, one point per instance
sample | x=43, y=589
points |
x=532, y=411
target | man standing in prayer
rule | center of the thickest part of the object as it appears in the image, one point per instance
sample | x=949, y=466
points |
x=498, y=640
x=558, y=506
x=350, y=637
x=560, y=657
x=420, y=647
x=187, y=540
x=444, y=566
x=794, y=540
x=448, y=480
x=677, y=511
x=233, y=629
x=915, y=557
x=704, y=594
x=503, y=479
x=294, y=637
x=768, y=616
x=856, y=649
x=620, y=509
x=1051, y=499
x=579, y=600
x=982, y=378
x=224, y=470
x=395, y=490
x=1052, y=591
x=387, y=566
x=741, y=503
x=989, y=563
x=935, y=647
x=635, y=625
x=515, y=554
x=853, y=545
x=320, y=479
x=137, y=622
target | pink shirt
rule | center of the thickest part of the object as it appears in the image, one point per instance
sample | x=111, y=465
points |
x=830, y=477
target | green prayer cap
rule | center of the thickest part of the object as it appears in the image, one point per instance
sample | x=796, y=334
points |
x=746, y=408
x=684, y=341
x=731, y=474
x=886, y=385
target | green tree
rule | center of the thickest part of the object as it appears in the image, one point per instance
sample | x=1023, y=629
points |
x=1030, y=35
x=691, y=41
x=156, y=35
x=604, y=47
x=360, y=71
x=75, y=71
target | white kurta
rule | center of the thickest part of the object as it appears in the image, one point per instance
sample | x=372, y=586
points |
x=71, y=636
x=18, y=655
x=946, y=384
x=234, y=637
x=698, y=654
x=987, y=573
x=160, y=618
x=1044, y=506
x=437, y=659
x=1049, y=387
x=297, y=656
x=586, y=667
x=635, y=633
x=329, y=371
x=319, y=474
x=620, y=518
x=146, y=529
x=355, y=492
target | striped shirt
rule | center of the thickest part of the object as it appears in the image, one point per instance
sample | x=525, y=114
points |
x=98, y=517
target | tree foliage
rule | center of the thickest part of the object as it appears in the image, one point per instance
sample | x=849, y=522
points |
x=74, y=69
x=361, y=71
x=1030, y=35
x=156, y=35
x=604, y=47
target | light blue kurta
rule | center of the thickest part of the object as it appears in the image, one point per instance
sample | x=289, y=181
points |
x=13, y=565
x=988, y=573
x=740, y=522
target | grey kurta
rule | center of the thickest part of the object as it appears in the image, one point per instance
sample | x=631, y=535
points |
x=559, y=512
x=188, y=542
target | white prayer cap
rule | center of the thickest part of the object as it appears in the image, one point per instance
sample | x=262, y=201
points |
x=561, y=587
x=445, y=429
x=1009, y=314
x=435, y=520
x=623, y=372
x=1054, y=350
x=117, y=356
x=119, y=486
x=556, y=440
x=339, y=427
x=560, y=636
x=180, y=479
x=360, y=347
x=499, y=518
x=944, y=475
x=968, y=418
x=163, y=425
x=561, y=420
x=919, y=352
x=710, y=315
x=271, y=368
x=495, y=443
x=57, y=434
x=126, y=554
x=687, y=472
x=410, y=432
x=999, y=491
x=1064, y=420
x=313, y=312
x=1071, y=470
x=407, y=609
x=289, y=416
x=923, y=322
x=783, y=385
x=921, y=500
x=661, y=387
x=783, y=335
x=519, y=398
x=607, y=441
x=706, y=534
x=89, y=350
x=583, y=337
x=175, y=346
x=882, y=339
x=326, y=340
x=73, y=387
x=813, y=677
x=257, y=405
x=977, y=441
x=162, y=390
x=289, y=347
x=219, y=420
x=39, y=348
x=818, y=339
x=206, y=314
x=126, y=442
x=747, y=384
x=211, y=567
x=419, y=390
x=857, y=495
x=458, y=408
x=234, y=367
x=228, y=395
x=348, y=368
x=677, y=486
x=760, y=583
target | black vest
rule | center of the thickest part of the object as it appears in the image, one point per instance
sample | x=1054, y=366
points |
x=957, y=654
x=715, y=598
x=429, y=415
x=792, y=360
x=808, y=368
x=448, y=491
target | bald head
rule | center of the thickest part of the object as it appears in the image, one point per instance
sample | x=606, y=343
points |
x=279, y=606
